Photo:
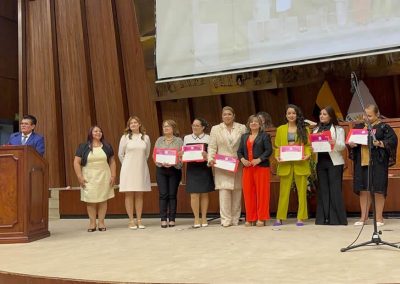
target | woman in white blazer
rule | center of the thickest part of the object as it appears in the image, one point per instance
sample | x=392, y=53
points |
x=225, y=140
x=330, y=207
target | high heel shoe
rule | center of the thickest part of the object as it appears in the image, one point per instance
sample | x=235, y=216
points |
x=171, y=224
x=164, y=224
x=140, y=225
x=260, y=223
x=91, y=230
x=103, y=229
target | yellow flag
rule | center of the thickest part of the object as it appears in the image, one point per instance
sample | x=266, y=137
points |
x=326, y=98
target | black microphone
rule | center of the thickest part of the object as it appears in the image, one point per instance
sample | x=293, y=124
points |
x=353, y=83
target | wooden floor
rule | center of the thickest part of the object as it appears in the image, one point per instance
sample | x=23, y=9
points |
x=288, y=254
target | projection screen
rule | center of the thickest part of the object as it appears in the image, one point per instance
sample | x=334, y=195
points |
x=197, y=38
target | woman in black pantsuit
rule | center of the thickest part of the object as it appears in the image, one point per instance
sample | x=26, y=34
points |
x=168, y=176
x=330, y=205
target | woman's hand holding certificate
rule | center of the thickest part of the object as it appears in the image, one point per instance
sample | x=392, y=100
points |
x=291, y=153
x=226, y=163
x=166, y=157
x=193, y=153
x=321, y=142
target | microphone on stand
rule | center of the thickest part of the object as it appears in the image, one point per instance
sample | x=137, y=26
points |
x=353, y=83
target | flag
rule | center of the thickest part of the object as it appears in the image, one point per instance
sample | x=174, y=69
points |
x=326, y=98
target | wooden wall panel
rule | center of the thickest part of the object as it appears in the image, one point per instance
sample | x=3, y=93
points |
x=341, y=90
x=177, y=110
x=9, y=98
x=105, y=70
x=272, y=102
x=304, y=96
x=382, y=90
x=104, y=64
x=8, y=59
x=242, y=103
x=208, y=108
x=138, y=92
x=74, y=84
x=42, y=80
x=8, y=49
x=9, y=9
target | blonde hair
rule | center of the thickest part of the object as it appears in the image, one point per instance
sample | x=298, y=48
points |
x=174, y=126
x=128, y=131
x=229, y=109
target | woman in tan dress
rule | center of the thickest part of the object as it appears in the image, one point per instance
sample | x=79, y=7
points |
x=134, y=150
x=225, y=140
x=95, y=168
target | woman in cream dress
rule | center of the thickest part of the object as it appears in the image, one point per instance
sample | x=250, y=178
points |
x=134, y=150
x=225, y=140
x=94, y=165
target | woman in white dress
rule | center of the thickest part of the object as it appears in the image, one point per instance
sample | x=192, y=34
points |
x=134, y=150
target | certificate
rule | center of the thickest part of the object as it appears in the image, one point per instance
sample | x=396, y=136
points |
x=193, y=153
x=226, y=163
x=358, y=136
x=320, y=142
x=165, y=156
x=291, y=153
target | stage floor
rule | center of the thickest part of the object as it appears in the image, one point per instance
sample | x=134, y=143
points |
x=309, y=254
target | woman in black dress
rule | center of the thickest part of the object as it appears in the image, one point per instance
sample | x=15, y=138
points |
x=199, y=177
x=330, y=206
x=382, y=154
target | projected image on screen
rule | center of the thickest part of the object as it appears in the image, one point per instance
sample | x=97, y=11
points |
x=205, y=36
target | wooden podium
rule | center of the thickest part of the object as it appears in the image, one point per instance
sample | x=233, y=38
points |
x=23, y=195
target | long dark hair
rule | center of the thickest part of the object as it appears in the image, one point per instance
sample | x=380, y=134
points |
x=332, y=114
x=90, y=136
x=203, y=122
x=301, y=127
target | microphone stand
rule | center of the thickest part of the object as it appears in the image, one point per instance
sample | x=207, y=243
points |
x=376, y=239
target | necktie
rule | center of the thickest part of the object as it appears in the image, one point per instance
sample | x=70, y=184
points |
x=24, y=138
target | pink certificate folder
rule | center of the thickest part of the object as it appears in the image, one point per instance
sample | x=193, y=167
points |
x=226, y=163
x=291, y=153
x=320, y=142
x=193, y=153
x=165, y=156
x=358, y=136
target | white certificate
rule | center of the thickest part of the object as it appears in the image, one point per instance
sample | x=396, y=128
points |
x=358, y=136
x=193, y=153
x=165, y=156
x=291, y=153
x=226, y=163
x=322, y=146
x=320, y=142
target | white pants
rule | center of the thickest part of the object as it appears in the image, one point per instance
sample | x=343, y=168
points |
x=230, y=205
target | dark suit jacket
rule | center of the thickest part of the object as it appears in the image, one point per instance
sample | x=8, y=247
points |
x=262, y=148
x=35, y=140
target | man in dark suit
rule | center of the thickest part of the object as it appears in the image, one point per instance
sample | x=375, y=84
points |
x=27, y=136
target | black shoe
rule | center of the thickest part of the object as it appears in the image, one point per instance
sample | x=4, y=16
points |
x=92, y=230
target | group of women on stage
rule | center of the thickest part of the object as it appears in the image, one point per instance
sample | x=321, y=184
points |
x=95, y=168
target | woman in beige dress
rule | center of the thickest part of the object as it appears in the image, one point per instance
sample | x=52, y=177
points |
x=225, y=140
x=134, y=150
x=94, y=165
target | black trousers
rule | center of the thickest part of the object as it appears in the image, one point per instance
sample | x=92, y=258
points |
x=168, y=180
x=330, y=206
